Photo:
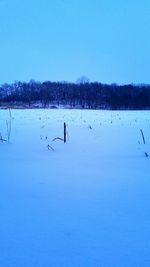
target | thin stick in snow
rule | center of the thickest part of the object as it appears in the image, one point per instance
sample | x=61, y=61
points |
x=58, y=138
x=142, y=136
x=8, y=125
x=50, y=147
x=65, y=134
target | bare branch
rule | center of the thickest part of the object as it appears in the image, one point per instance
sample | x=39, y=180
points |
x=57, y=138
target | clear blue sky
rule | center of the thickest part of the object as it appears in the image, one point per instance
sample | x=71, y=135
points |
x=105, y=40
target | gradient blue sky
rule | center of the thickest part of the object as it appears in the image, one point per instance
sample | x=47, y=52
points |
x=106, y=40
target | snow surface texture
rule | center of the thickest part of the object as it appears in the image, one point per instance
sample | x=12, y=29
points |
x=87, y=203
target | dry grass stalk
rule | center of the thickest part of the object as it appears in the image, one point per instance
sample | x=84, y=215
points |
x=50, y=147
x=9, y=126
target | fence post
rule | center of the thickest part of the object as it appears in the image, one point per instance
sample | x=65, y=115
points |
x=65, y=133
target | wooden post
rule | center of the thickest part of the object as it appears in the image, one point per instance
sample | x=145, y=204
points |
x=65, y=133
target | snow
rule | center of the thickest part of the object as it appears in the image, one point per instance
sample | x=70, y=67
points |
x=84, y=204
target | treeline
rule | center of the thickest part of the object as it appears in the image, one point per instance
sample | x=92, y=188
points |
x=82, y=95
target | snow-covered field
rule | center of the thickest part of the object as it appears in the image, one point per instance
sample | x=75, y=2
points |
x=85, y=204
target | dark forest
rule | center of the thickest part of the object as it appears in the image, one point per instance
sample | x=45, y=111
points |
x=75, y=95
